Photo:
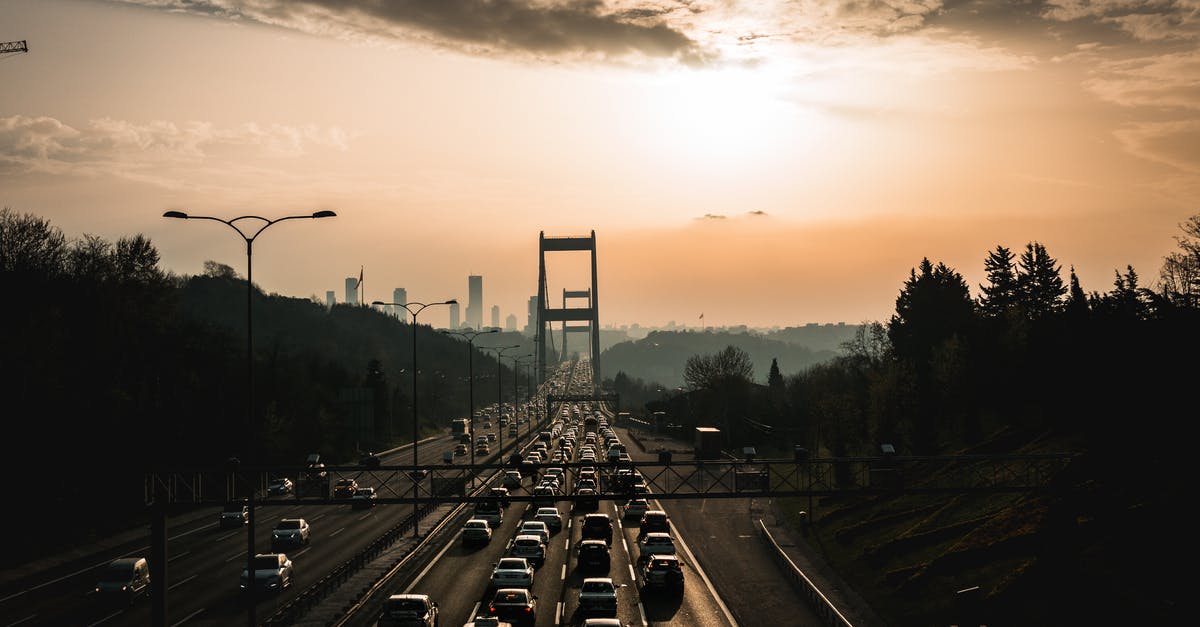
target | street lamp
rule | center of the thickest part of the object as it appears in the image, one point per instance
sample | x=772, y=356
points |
x=251, y=431
x=420, y=307
x=471, y=335
x=499, y=390
x=518, y=360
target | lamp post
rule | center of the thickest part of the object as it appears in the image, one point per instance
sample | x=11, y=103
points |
x=518, y=360
x=471, y=335
x=416, y=421
x=251, y=431
x=499, y=390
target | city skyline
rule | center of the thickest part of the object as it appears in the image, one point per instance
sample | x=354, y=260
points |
x=797, y=161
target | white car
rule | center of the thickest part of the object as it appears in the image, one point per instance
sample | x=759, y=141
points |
x=272, y=572
x=657, y=543
x=477, y=531
x=535, y=528
x=512, y=572
x=512, y=479
x=290, y=531
x=551, y=516
x=529, y=547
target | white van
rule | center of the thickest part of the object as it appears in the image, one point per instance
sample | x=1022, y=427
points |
x=124, y=579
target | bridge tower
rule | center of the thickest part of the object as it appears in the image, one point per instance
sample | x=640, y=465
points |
x=589, y=314
x=574, y=294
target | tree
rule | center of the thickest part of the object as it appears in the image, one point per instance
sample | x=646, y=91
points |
x=774, y=378
x=933, y=306
x=1001, y=292
x=1077, y=300
x=1179, y=277
x=706, y=372
x=1039, y=282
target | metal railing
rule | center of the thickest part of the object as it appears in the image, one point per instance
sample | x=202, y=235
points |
x=819, y=603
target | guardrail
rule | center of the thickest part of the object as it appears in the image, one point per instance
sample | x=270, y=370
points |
x=816, y=600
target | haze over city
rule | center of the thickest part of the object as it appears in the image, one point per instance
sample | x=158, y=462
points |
x=760, y=163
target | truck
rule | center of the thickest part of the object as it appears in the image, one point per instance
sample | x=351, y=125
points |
x=708, y=443
x=459, y=427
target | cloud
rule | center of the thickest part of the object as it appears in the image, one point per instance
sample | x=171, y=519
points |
x=1174, y=143
x=1160, y=81
x=757, y=213
x=1143, y=20
x=712, y=216
x=130, y=150
x=587, y=29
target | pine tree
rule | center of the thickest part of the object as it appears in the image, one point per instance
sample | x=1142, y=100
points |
x=1077, y=300
x=774, y=378
x=1001, y=292
x=1039, y=282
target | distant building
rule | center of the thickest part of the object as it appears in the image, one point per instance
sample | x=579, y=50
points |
x=510, y=323
x=531, y=324
x=475, y=301
x=454, y=324
x=330, y=299
x=496, y=316
x=400, y=295
x=351, y=290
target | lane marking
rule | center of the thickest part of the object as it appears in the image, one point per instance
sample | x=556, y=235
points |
x=227, y=536
x=187, y=618
x=428, y=567
x=567, y=544
x=564, y=572
x=475, y=610
x=558, y=613
x=632, y=575
x=24, y=620
x=626, y=545
x=235, y=556
x=365, y=516
x=340, y=529
x=298, y=554
x=181, y=582
x=106, y=618
x=317, y=517
x=642, y=611
x=699, y=570
x=172, y=559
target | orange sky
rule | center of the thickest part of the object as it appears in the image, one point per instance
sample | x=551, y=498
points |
x=765, y=163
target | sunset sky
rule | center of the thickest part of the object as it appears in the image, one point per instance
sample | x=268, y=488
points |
x=762, y=163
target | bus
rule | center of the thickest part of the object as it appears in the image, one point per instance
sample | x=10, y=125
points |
x=459, y=428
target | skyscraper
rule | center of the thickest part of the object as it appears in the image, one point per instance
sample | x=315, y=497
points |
x=510, y=323
x=496, y=316
x=400, y=295
x=475, y=301
x=351, y=290
x=454, y=324
x=531, y=324
x=330, y=299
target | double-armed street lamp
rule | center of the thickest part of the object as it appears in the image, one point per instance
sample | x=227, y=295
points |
x=499, y=390
x=416, y=422
x=251, y=451
x=519, y=362
x=471, y=335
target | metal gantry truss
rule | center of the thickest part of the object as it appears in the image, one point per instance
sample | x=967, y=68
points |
x=662, y=479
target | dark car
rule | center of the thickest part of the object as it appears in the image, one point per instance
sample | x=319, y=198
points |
x=597, y=526
x=370, y=460
x=515, y=605
x=654, y=521
x=594, y=556
x=409, y=610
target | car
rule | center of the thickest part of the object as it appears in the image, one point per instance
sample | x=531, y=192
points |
x=235, y=515
x=409, y=610
x=535, y=528
x=597, y=526
x=501, y=494
x=544, y=495
x=598, y=595
x=363, y=498
x=657, y=543
x=516, y=605
x=593, y=556
x=654, y=520
x=662, y=572
x=529, y=547
x=635, y=509
x=123, y=580
x=551, y=516
x=476, y=531
x=491, y=437
x=370, y=460
x=585, y=483
x=460, y=449
x=512, y=572
x=272, y=573
x=491, y=511
x=448, y=457
x=290, y=532
x=280, y=486
x=487, y=621
x=512, y=479
x=344, y=488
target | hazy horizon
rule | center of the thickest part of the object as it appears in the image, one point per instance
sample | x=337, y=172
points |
x=766, y=164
